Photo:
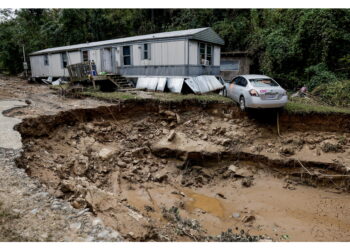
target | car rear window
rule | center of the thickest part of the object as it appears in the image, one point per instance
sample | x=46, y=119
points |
x=263, y=82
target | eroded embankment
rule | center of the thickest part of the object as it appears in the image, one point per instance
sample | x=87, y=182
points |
x=184, y=171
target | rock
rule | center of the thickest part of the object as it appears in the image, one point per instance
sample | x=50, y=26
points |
x=225, y=142
x=89, y=128
x=247, y=182
x=236, y=215
x=221, y=195
x=75, y=226
x=106, y=153
x=171, y=135
x=34, y=211
x=161, y=176
x=248, y=218
x=287, y=151
x=97, y=221
x=81, y=165
x=28, y=102
x=103, y=234
x=121, y=164
x=232, y=168
x=178, y=119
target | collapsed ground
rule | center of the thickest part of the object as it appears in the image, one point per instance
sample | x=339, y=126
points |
x=192, y=171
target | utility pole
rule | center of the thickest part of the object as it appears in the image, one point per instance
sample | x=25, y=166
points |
x=25, y=65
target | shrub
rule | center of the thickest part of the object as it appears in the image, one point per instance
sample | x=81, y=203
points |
x=334, y=93
x=319, y=74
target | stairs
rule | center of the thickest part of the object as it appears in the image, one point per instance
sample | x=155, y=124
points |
x=119, y=81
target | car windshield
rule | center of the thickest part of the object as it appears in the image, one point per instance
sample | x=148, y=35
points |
x=263, y=82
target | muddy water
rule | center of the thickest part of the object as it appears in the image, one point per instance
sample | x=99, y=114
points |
x=301, y=214
x=208, y=204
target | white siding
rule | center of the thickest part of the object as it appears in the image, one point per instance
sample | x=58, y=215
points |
x=193, y=53
x=56, y=68
x=162, y=53
x=74, y=57
x=37, y=66
x=217, y=52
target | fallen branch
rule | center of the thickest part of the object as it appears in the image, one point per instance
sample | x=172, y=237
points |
x=324, y=175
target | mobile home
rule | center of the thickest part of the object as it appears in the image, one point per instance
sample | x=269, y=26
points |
x=185, y=53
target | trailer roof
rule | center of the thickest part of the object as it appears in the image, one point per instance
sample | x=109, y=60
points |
x=202, y=34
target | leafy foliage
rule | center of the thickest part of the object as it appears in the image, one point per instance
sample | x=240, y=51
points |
x=295, y=46
x=334, y=93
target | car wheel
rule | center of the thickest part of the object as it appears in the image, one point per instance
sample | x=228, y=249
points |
x=225, y=92
x=242, y=103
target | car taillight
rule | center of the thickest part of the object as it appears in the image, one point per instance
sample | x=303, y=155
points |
x=253, y=92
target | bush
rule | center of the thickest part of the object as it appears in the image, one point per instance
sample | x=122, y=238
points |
x=319, y=74
x=334, y=93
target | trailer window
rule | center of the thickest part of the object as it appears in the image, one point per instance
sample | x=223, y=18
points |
x=64, y=60
x=205, y=53
x=209, y=53
x=46, y=60
x=146, y=54
x=126, y=55
x=85, y=56
x=202, y=51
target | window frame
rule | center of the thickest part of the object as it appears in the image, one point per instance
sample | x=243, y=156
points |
x=64, y=60
x=46, y=60
x=124, y=56
x=144, y=50
x=204, y=54
x=88, y=56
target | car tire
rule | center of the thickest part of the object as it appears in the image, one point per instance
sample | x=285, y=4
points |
x=224, y=92
x=242, y=103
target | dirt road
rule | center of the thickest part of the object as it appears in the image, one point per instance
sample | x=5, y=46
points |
x=179, y=172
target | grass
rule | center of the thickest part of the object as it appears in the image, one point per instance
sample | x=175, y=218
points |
x=297, y=106
x=180, y=97
x=171, y=97
x=110, y=96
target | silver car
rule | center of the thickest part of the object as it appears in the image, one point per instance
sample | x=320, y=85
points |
x=256, y=91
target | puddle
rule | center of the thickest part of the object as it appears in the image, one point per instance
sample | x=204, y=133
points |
x=208, y=204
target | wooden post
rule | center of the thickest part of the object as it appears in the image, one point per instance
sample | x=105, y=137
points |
x=92, y=77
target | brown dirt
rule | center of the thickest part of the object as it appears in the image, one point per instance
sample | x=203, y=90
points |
x=219, y=171
x=223, y=176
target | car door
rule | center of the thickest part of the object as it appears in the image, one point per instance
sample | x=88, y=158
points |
x=231, y=87
x=239, y=88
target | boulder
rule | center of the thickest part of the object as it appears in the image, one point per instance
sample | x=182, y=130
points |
x=106, y=153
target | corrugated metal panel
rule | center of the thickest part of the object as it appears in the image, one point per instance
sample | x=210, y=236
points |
x=175, y=84
x=161, y=84
x=203, y=84
x=193, y=85
x=149, y=83
x=180, y=33
x=199, y=84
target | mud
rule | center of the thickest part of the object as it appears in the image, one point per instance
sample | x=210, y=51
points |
x=195, y=172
